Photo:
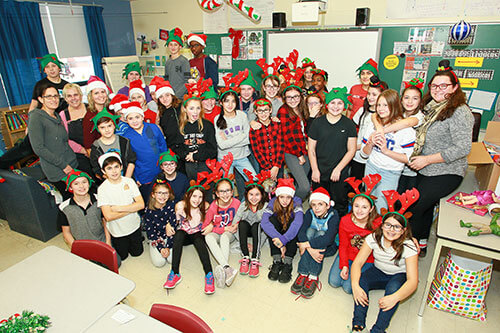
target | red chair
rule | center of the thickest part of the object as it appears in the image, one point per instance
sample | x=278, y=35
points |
x=96, y=251
x=179, y=318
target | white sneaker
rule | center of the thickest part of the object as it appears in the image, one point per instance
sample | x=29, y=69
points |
x=220, y=276
x=230, y=275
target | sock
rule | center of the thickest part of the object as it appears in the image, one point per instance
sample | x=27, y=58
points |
x=276, y=258
x=422, y=243
x=312, y=277
x=288, y=260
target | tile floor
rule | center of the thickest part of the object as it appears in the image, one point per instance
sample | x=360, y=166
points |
x=260, y=305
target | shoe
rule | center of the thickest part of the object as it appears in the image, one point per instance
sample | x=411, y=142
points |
x=423, y=252
x=275, y=270
x=172, y=280
x=254, y=268
x=209, y=284
x=310, y=287
x=230, y=275
x=220, y=276
x=285, y=274
x=244, y=267
x=298, y=284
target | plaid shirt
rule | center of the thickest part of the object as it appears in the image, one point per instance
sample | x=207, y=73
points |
x=267, y=145
x=293, y=135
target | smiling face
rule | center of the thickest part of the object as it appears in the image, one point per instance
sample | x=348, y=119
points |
x=174, y=47
x=319, y=207
x=106, y=128
x=224, y=192
x=411, y=100
x=193, y=110
x=271, y=87
x=292, y=98
x=365, y=76
x=208, y=104
x=263, y=113
x=113, y=171
x=80, y=186
x=52, y=70
x=439, y=94
x=361, y=209
x=308, y=74
x=372, y=96
x=246, y=92
x=196, y=198
x=196, y=48
x=229, y=103
x=284, y=200
x=254, y=196
x=99, y=96
x=161, y=193
x=73, y=98
x=132, y=76
x=166, y=99
x=49, y=99
x=138, y=97
x=136, y=121
x=392, y=229
x=335, y=107
x=318, y=82
x=383, y=108
x=169, y=167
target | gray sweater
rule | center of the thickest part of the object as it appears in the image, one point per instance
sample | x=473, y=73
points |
x=236, y=136
x=452, y=138
x=84, y=224
x=177, y=72
x=49, y=141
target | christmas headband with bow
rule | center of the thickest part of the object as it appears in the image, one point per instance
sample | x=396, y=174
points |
x=370, y=181
x=274, y=66
x=444, y=66
x=258, y=179
x=406, y=199
x=197, y=89
x=306, y=62
x=219, y=170
x=415, y=82
x=232, y=82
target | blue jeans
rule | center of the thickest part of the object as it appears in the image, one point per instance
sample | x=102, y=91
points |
x=389, y=181
x=240, y=165
x=371, y=279
x=336, y=281
x=307, y=265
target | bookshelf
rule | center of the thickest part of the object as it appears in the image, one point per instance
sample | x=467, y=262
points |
x=13, y=124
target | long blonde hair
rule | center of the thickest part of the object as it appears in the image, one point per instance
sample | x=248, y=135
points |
x=91, y=101
x=183, y=119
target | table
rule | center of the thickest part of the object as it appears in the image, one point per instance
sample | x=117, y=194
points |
x=451, y=235
x=141, y=322
x=72, y=291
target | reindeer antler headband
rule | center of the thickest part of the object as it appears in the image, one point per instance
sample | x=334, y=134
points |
x=406, y=199
x=232, y=82
x=259, y=179
x=196, y=89
x=370, y=182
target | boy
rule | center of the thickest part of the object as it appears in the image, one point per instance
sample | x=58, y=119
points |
x=105, y=123
x=206, y=66
x=247, y=93
x=120, y=200
x=137, y=94
x=316, y=240
x=116, y=105
x=177, y=68
x=267, y=141
x=177, y=180
x=208, y=102
x=51, y=66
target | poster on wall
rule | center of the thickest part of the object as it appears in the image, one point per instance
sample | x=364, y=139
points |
x=421, y=34
x=255, y=45
x=411, y=74
x=417, y=63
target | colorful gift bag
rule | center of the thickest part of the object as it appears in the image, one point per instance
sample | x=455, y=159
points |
x=460, y=287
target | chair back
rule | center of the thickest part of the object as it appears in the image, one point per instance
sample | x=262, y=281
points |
x=179, y=318
x=96, y=251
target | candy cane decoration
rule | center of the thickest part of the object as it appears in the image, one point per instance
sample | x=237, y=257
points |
x=239, y=5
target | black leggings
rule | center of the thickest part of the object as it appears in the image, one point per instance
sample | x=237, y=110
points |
x=182, y=238
x=128, y=244
x=246, y=230
x=337, y=191
x=357, y=169
x=432, y=189
x=291, y=246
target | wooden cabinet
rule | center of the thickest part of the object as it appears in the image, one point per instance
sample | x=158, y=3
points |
x=13, y=124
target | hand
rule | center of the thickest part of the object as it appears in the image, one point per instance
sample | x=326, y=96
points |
x=419, y=162
x=67, y=169
x=231, y=228
x=387, y=302
x=165, y=252
x=381, y=142
x=138, y=183
x=415, y=241
x=170, y=230
x=283, y=250
x=222, y=135
x=302, y=160
x=83, y=151
x=208, y=229
x=344, y=273
x=359, y=296
x=277, y=242
x=303, y=247
x=274, y=173
x=315, y=176
x=335, y=176
x=275, y=119
x=255, y=125
x=316, y=254
x=189, y=157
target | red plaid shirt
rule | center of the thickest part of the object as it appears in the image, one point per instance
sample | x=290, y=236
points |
x=267, y=145
x=293, y=136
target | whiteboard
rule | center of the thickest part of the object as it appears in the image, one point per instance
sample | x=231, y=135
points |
x=113, y=69
x=339, y=53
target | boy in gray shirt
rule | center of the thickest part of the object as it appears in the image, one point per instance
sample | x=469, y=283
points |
x=177, y=68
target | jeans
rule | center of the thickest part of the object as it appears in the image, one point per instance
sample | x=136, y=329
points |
x=336, y=281
x=300, y=174
x=240, y=165
x=307, y=265
x=389, y=181
x=371, y=279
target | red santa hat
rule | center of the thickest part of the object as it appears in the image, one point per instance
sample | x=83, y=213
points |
x=201, y=38
x=164, y=88
x=95, y=82
x=285, y=186
x=132, y=107
x=137, y=87
x=117, y=102
x=321, y=194
x=155, y=82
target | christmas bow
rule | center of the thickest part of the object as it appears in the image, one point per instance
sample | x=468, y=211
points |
x=236, y=36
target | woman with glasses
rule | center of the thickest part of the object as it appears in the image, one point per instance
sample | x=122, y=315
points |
x=442, y=144
x=49, y=139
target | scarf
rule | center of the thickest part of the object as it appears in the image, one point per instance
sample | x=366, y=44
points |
x=320, y=224
x=431, y=111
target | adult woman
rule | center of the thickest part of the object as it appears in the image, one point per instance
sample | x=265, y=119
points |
x=49, y=139
x=441, y=148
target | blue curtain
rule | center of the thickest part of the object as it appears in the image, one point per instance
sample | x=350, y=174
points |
x=97, y=37
x=22, y=41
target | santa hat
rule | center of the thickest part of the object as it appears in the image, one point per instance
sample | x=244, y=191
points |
x=137, y=87
x=321, y=194
x=285, y=186
x=74, y=175
x=164, y=88
x=132, y=107
x=201, y=38
x=155, y=82
x=117, y=102
x=95, y=82
x=107, y=155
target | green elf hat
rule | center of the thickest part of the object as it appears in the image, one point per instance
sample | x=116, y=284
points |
x=306, y=62
x=104, y=114
x=73, y=175
x=338, y=93
x=131, y=67
x=261, y=102
x=370, y=65
x=249, y=81
x=175, y=35
x=167, y=156
x=210, y=93
x=52, y=57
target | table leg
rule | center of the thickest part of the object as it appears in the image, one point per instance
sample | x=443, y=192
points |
x=430, y=277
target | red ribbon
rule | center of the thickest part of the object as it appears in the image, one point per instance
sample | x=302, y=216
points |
x=236, y=36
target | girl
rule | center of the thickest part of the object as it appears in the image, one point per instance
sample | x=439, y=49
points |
x=363, y=119
x=190, y=214
x=97, y=95
x=209, y=104
x=270, y=90
x=137, y=94
x=387, y=154
x=395, y=270
x=159, y=220
x=293, y=116
x=359, y=91
x=248, y=219
x=176, y=179
x=281, y=222
x=320, y=80
x=247, y=93
x=307, y=78
x=169, y=108
x=332, y=145
x=354, y=227
x=220, y=230
x=316, y=107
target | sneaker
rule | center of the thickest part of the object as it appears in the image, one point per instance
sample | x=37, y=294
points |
x=209, y=284
x=285, y=274
x=310, y=287
x=298, y=284
x=423, y=252
x=254, y=268
x=275, y=270
x=244, y=265
x=172, y=280
x=230, y=274
x=220, y=276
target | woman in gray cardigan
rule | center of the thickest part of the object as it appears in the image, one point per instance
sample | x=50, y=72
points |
x=49, y=139
x=441, y=147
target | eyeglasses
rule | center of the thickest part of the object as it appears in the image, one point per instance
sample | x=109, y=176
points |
x=170, y=164
x=51, y=97
x=441, y=86
x=224, y=191
x=291, y=98
x=270, y=86
x=262, y=110
x=162, y=193
x=395, y=227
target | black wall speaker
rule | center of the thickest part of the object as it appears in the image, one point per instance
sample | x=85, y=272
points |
x=279, y=20
x=362, y=16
